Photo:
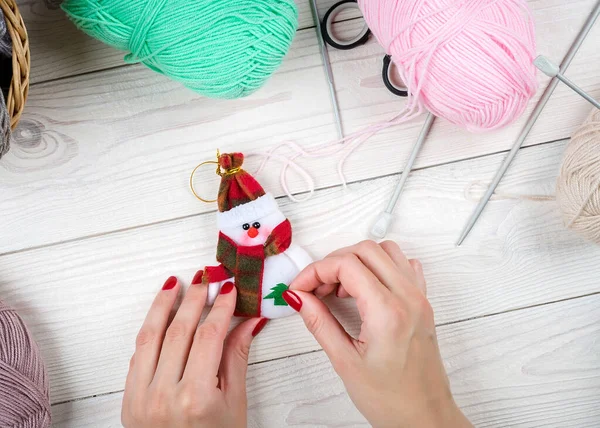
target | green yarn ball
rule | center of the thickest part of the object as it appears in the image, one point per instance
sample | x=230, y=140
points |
x=218, y=48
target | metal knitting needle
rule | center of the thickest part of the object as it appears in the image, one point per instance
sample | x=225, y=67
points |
x=381, y=225
x=552, y=70
x=532, y=119
x=328, y=71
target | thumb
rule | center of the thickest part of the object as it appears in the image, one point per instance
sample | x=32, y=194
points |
x=335, y=341
x=236, y=350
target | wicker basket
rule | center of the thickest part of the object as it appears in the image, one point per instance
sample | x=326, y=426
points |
x=19, y=86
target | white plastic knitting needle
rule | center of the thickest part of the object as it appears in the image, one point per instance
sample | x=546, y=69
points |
x=381, y=225
x=552, y=70
x=328, y=71
x=532, y=119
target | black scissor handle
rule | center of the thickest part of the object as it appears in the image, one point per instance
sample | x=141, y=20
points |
x=327, y=27
x=401, y=91
x=360, y=39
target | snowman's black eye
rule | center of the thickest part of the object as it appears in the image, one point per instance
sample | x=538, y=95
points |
x=256, y=225
x=245, y=226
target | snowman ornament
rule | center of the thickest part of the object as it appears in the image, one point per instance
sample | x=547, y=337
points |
x=255, y=249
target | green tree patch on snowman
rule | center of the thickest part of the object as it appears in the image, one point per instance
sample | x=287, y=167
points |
x=276, y=295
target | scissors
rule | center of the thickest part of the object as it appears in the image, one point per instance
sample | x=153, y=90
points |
x=358, y=40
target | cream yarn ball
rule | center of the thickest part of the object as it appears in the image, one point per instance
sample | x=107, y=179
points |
x=578, y=185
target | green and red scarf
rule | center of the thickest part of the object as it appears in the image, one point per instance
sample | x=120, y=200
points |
x=246, y=264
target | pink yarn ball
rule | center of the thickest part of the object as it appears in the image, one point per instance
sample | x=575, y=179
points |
x=470, y=61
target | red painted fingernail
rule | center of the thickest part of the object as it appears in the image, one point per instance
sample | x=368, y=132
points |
x=261, y=324
x=292, y=299
x=170, y=283
x=198, y=277
x=227, y=287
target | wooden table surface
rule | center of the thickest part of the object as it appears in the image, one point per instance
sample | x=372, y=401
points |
x=95, y=214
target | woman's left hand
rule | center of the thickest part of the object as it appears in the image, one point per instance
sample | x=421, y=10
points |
x=188, y=375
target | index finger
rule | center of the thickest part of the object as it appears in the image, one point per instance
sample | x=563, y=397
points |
x=386, y=261
x=205, y=355
x=347, y=270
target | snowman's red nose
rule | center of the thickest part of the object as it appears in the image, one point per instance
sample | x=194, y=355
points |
x=253, y=232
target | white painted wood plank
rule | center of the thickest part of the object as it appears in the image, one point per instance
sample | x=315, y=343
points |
x=59, y=50
x=540, y=366
x=85, y=300
x=113, y=150
x=115, y=121
x=536, y=367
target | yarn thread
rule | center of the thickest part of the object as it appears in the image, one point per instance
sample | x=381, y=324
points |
x=469, y=62
x=346, y=146
x=218, y=48
x=24, y=397
x=5, y=132
x=5, y=40
x=6, y=74
x=578, y=184
x=475, y=190
x=5, y=64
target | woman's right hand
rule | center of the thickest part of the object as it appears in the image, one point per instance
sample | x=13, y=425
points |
x=393, y=371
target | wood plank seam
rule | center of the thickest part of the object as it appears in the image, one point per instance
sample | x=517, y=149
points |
x=451, y=323
x=326, y=187
x=520, y=308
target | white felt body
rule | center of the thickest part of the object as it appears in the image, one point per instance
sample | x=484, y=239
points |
x=281, y=268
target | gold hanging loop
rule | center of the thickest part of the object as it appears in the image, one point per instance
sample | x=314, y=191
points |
x=192, y=181
x=219, y=172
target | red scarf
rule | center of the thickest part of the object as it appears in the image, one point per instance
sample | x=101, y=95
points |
x=246, y=264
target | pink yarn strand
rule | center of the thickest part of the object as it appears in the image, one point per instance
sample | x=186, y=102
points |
x=346, y=145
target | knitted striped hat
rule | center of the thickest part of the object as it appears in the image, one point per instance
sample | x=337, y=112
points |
x=237, y=186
